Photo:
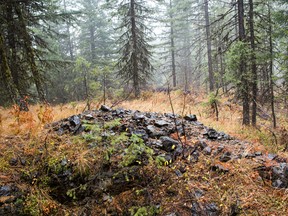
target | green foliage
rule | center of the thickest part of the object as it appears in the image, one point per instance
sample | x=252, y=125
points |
x=112, y=124
x=134, y=63
x=54, y=165
x=71, y=193
x=136, y=149
x=237, y=51
x=144, y=211
x=31, y=206
x=119, y=138
x=212, y=99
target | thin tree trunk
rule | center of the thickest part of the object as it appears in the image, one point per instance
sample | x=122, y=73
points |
x=253, y=63
x=92, y=43
x=70, y=45
x=136, y=84
x=242, y=66
x=12, y=45
x=271, y=84
x=209, y=51
x=172, y=47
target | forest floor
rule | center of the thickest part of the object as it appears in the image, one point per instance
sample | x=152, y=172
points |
x=62, y=160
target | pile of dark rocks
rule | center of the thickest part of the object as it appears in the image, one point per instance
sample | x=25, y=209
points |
x=156, y=130
x=171, y=136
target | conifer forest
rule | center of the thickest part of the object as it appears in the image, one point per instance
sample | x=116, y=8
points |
x=144, y=107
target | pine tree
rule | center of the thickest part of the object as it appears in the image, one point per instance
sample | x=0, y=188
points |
x=135, y=61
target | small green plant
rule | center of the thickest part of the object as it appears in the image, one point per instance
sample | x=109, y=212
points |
x=71, y=193
x=136, y=149
x=212, y=104
x=112, y=124
x=31, y=206
x=144, y=211
x=160, y=160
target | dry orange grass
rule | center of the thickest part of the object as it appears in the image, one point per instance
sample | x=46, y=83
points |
x=32, y=122
x=14, y=122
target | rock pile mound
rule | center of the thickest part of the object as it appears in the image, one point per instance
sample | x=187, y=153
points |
x=142, y=153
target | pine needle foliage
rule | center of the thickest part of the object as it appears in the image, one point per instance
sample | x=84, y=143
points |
x=135, y=61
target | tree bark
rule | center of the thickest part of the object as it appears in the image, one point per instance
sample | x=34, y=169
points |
x=242, y=66
x=70, y=44
x=209, y=50
x=7, y=76
x=136, y=84
x=253, y=63
x=271, y=84
x=172, y=44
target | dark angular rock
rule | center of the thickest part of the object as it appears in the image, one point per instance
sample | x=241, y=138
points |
x=211, y=134
x=6, y=190
x=223, y=136
x=178, y=173
x=138, y=116
x=194, y=157
x=219, y=150
x=234, y=210
x=198, y=193
x=13, y=161
x=219, y=168
x=155, y=132
x=118, y=112
x=201, y=144
x=171, y=115
x=22, y=161
x=280, y=176
x=212, y=209
x=250, y=155
x=278, y=183
x=258, y=154
x=60, y=132
x=196, y=209
x=190, y=118
x=74, y=120
x=89, y=117
x=272, y=156
x=168, y=144
x=225, y=157
x=105, y=108
x=141, y=133
x=207, y=150
x=177, y=152
x=161, y=123
x=182, y=169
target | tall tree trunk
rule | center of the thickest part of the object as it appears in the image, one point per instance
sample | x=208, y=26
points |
x=12, y=45
x=253, y=63
x=70, y=44
x=271, y=84
x=209, y=51
x=172, y=44
x=136, y=84
x=31, y=55
x=242, y=66
x=7, y=76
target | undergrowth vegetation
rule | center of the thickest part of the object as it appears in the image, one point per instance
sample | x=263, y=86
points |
x=58, y=172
